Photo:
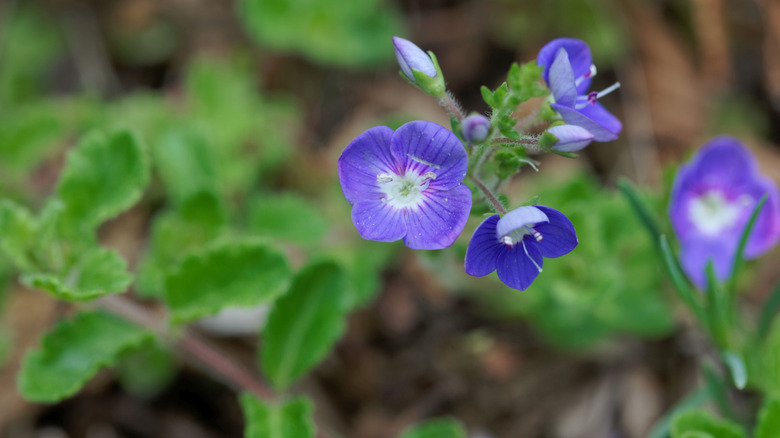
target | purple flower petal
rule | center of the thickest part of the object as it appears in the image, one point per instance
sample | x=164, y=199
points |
x=439, y=220
x=571, y=138
x=410, y=57
x=561, y=80
x=376, y=220
x=695, y=256
x=601, y=127
x=367, y=156
x=422, y=147
x=766, y=231
x=558, y=235
x=723, y=162
x=516, y=269
x=519, y=218
x=484, y=249
x=579, y=57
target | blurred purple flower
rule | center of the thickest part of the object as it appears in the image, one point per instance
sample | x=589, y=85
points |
x=515, y=244
x=712, y=199
x=407, y=184
x=475, y=128
x=568, y=71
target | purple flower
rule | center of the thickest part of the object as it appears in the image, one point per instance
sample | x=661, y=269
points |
x=568, y=71
x=407, y=184
x=411, y=57
x=515, y=244
x=571, y=138
x=712, y=199
x=475, y=128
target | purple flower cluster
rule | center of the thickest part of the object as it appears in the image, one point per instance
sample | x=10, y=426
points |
x=568, y=72
x=712, y=199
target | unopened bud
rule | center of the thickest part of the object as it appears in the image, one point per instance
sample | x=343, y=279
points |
x=475, y=128
x=420, y=68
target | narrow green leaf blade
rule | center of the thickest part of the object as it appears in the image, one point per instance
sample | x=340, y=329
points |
x=73, y=352
x=290, y=419
x=693, y=400
x=768, y=425
x=439, y=428
x=304, y=324
x=691, y=423
x=684, y=290
x=224, y=275
x=738, y=256
x=736, y=365
x=102, y=177
x=97, y=273
x=641, y=209
x=768, y=312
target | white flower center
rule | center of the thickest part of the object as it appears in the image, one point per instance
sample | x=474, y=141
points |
x=404, y=190
x=712, y=213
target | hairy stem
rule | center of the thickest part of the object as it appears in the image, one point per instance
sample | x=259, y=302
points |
x=452, y=107
x=489, y=195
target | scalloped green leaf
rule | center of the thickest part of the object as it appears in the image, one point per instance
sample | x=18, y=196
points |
x=73, y=352
x=185, y=163
x=289, y=419
x=98, y=272
x=438, y=428
x=103, y=176
x=225, y=275
x=695, y=423
x=286, y=217
x=18, y=230
x=768, y=425
x=305, y=323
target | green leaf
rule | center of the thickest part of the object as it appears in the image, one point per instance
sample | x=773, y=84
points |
x=327, y=31
x=304, y=324
x=292, y=418
x=186, y=165
x=146, y=372
x=225, y=275
x=18, y=231
x=684, y=290
x=696, y=423
x=73, y=352
x=693, y=400
x=102, y=177
x=768, y=312
x=768, y=425
x=439, y=428
x=286, y=217
x=642, y=211
x=175, y=234
x=738, y=256
x=487, y=96
x=97, y=273
x=737, y=367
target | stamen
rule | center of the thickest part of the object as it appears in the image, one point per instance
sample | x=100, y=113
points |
x=426, y=180
x=530, y=258
x=537, y=235
x=384, y=178
x=507, y=240
x=592, y=97
x=591, y=72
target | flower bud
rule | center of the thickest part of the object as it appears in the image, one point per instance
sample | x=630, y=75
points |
x=571, y=138
x=475, y=128
x=419, y=68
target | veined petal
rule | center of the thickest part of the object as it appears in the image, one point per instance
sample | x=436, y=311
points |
x=519, y=218
x=484, y=249
x=579, y=58
x=367, y=156
x=515, y=267
x=439, y=220
x=601, y=126
x=571, y=138
x=423, y=147
x=558, y=235
x=376, y=220
x=561, y=80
